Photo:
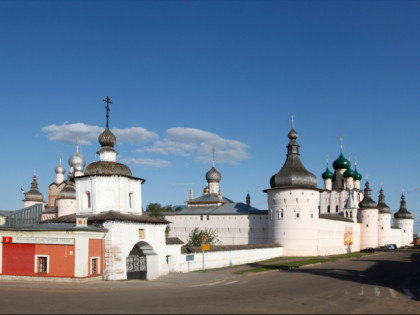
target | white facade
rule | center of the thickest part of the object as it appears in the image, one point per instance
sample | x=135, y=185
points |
x=97, y=194
x=120, y=240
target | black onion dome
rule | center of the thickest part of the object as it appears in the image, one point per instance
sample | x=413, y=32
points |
x=382, y=206
x=34, y=194
x=403, y=213
x=293, y=173
x=68, y=191
x=213, y=175
x=367, y=202
x=107, y=168
x=107, y=138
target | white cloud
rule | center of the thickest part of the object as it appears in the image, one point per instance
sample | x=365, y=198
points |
x=134, y=135
x=189, y=141
x=69, y=133
x=148, y=162
x=88, y=133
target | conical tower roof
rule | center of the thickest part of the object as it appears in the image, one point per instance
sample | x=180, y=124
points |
x=367, y=202
x=293, y=173
x=403, y=213
x=382, y=206
x=34, y=194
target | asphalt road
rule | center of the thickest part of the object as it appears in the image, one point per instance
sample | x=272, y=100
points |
x=382, y=283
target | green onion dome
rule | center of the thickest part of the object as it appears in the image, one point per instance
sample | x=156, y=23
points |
x=349, y=173
x=327, y=174
x=357, y=175
x=341, y=163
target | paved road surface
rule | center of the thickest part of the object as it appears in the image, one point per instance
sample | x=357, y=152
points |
x=382, y=283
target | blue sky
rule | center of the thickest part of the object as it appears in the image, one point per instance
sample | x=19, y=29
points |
x=185, y=76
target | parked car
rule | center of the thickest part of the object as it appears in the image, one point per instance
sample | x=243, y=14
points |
x=391, y=246
x=368, y=250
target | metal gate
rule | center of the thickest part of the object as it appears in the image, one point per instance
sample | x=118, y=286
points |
x=136, y=264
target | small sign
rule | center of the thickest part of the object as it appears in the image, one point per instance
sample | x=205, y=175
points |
x=39, y=240
x=190, y=257
x=7, y=239
x=205, y=247
x=203, y=238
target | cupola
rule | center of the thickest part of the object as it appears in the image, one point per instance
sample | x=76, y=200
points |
x=403, y=213
x=34, y=194
x=382, y=206
x=293, y=173
x=367, y=202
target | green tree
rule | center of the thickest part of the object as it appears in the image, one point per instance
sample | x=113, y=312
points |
x=195, y=238
x=156, y=210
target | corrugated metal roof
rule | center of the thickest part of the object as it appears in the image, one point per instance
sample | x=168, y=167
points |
x=228, y=208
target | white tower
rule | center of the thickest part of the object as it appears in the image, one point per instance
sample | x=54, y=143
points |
x=384, y=220
x=66, y=204
x=405, y=221
x=293, y=205
x=367, y=216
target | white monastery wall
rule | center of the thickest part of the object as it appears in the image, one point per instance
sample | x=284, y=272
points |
x=218, y=259
x=395, y=237
x=230, y=229
x=334, y=237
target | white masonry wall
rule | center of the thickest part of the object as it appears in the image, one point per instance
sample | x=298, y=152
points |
x=218, y=259
x=230, y=229
x=331, y=237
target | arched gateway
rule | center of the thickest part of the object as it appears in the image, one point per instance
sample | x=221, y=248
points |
x=142, y=262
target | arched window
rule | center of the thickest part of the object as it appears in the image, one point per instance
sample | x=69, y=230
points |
x=130, y=200
x=347, y=214
x=328, y=209
x=282, y=213
x=86, y=200
x=336, y=209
